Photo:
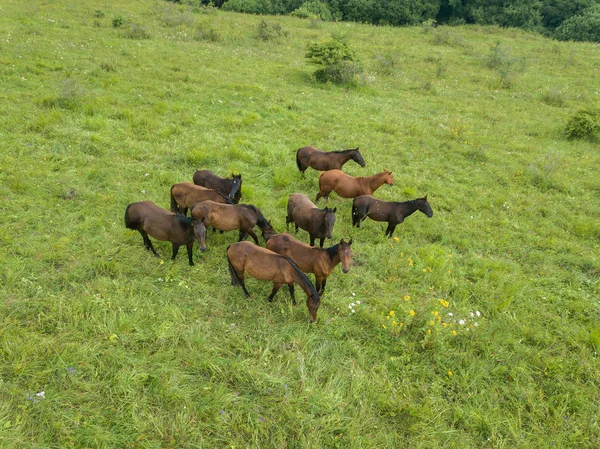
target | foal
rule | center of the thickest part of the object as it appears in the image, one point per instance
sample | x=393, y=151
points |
x=323, y=161
x=149, y=219
x=266, y=265
x=392, y=212
x=320, y=262
x=348, y=186
x=304, y=214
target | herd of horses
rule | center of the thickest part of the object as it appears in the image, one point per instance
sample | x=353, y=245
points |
x=213, y=202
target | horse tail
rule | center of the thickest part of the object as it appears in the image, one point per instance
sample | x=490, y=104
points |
x=298, y=163
x=127, y=223
x=235, y=279
x=131, y=222
x=174, y=205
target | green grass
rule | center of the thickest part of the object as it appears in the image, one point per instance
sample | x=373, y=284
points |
x=132, y=352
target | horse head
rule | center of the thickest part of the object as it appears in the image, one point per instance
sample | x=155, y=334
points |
x=345, y=254
x=200, y=233
x=388, y=178
x=329, y=221
x=424, y=206
x=236, y=185
x=357, y=157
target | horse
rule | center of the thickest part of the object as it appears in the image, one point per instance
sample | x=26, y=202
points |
x=265, y=265
x=233, y=185
x=323, y=161
x=348, y=186
x=186, y=195
x=392, y=212
x=149, y=219
x=227, y=217
x=305, y=214
x=320, y=262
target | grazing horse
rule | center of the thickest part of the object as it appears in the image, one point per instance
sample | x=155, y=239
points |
x=320, y=262
x=233, y=185
x=186, y=195
x=323, y=161
x=348, y=186
x=149, y=219
x=304, y=214
x=227, y=217
x=392, y=212
x=266, y=265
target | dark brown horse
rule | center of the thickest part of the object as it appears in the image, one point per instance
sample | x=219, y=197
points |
x=186, y=195
x=318, y=261
x=266, y=265
x=149, y=219
x=304, y=214
x=392, y=212
x=228, y=217
x=326, y=160
x=348, y=186
x=233, y=185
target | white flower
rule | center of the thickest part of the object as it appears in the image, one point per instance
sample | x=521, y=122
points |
x=41, y=394
x=357, y=302
x=477, y=313
x=450, y=314
x=353, y=294
x=349, y=306
x=461, y=322
x=353, y=304
x=353, y=311
x=475, y=324
x=472, y=314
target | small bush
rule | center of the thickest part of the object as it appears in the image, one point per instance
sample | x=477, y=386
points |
x=118, y=21
x=343, y=72
x=69, y=96
x=584, y=124
x=554, y=97
x=336, y=59
x=98, y=14
x=314, y=9
x=137, y=31
x=269, y=32
x=206, y=32
x=506, y=65
x=173, y=17
x=386, y=64
x=108, y=67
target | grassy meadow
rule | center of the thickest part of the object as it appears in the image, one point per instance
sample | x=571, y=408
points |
x=477, y=328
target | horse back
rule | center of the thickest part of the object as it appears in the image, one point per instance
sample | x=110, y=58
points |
x=259, y=262
x=300, y=252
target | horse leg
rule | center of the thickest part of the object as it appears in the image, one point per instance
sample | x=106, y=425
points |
x=390, y=229
x=312, y=240
x=147, y=242
x=276, y=288
x=291, y=288
x=243, y=235
x=288, y=220
x=296, y=228
x=253, y=235
x=318, y=281
x=321, y=243
x=190, y=246
x=175, y=251
x=323, y=282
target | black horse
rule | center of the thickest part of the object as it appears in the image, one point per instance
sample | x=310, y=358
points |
x=208, y=179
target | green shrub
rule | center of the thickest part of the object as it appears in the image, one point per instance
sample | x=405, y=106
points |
x=584, y=27
x=584, y=124
x=118, y=21
x=343, y=72
x=98, y=14
x=330, y=52
x=206, y=32
x=249, y=6
x=506, y=65
x=314, y=9
x=268, y=32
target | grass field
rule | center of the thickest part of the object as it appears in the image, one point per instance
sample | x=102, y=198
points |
x=104, y=346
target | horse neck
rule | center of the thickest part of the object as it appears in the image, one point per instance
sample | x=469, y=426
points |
x=375, y=181
x=333, y=256
x=408, y=208
x=303, y=281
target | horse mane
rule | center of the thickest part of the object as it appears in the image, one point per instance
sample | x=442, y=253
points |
x=222, y=195
x=332, y=251
x=184, y=221
x=344, y=151
x=303, y=276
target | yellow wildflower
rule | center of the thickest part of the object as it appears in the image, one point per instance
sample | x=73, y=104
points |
x=432, y=323
x=435, y=313
x=424, y=270
x=429, y=331
x=162, y=262
x=396, y=239
x=429, y=269
x=453, y=332
x=392, y=313
x=445, y=324
x=406, y=297
x=449, y=373
x=384, y=326
x=394, y=323
x=444, y=303
x=412, y=312
x=410, y=262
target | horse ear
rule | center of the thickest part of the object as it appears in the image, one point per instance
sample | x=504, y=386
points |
x=335, y=209
x=349, y=242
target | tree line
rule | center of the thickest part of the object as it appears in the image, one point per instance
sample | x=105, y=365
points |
x=563, y=19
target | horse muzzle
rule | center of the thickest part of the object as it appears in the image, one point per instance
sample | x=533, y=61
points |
x=345, y=270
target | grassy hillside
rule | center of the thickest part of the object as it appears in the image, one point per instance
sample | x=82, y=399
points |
x=103, y=345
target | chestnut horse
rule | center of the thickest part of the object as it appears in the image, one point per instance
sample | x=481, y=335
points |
x=208, y=179
x=348, y=186
x=304, y=214
x=227, y=217
x=392, y=212
x=326, y=160
x=186, y=195
x=149, y=219
x=266, y=265
x=320, y=262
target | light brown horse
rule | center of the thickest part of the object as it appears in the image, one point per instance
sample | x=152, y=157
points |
x=348, y=186
x=228, y=217
x=266, y=265
x=186, y=195
x=326, y=160
x=320, y=262
x=392, y=212
x=149, y=219
x=304, y=214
